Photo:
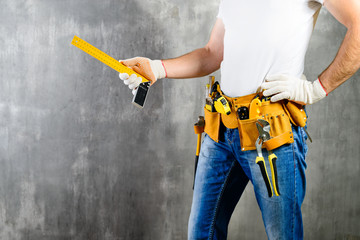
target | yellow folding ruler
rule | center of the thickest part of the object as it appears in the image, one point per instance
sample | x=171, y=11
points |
x=141, y=92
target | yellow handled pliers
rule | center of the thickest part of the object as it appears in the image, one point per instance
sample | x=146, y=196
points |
x=264, y=134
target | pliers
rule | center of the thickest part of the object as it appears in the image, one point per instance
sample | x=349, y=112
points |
x=264, y=134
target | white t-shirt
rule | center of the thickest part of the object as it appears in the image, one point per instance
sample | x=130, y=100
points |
x=263, y=37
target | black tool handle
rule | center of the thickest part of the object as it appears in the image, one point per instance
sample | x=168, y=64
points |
x=265, y=177
x=274, y=174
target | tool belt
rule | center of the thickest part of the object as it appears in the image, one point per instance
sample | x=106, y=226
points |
x=280, y=115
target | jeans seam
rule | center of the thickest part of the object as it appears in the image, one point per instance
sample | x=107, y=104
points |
x=294, y=204
x=211, y=235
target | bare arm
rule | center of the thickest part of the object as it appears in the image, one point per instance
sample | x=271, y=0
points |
x=202, y=61
x=347, y=60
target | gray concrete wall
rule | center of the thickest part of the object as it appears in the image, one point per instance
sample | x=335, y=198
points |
x=78, y=161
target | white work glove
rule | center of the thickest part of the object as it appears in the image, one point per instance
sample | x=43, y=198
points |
x=150, y=69
x=283, y=86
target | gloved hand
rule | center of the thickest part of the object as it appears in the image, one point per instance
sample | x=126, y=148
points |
x=288, y=87
x=150, y=69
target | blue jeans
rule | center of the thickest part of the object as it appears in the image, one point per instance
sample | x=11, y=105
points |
x=222, y=174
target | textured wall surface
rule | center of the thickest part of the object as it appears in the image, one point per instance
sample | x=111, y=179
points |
x=78, y=161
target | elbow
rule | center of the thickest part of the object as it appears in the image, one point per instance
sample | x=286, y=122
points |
x=214, y=56
x=354, y=27
x=353, y=23
x=354, y=33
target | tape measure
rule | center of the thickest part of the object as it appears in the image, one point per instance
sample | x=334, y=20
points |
x=104, y=58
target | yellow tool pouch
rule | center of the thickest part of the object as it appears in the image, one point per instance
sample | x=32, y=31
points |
x=296, y=113
x=212, y=124
x=280, y=115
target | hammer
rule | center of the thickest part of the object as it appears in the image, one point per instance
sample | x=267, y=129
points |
x=199, y=129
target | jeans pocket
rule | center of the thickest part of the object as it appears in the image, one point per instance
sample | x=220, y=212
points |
x=303, y=134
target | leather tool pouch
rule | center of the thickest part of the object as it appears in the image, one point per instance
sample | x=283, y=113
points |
x=212, y=124
x=280, y=128
x=280, y=115
x=296, y=113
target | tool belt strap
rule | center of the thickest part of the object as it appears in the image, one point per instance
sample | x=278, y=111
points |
x=231, y=121
x=276, y=142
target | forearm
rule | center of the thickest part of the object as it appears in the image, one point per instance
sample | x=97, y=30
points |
x=346, y=62
x=197, y=63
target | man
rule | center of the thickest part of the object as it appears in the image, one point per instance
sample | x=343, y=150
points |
x=259, y=45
